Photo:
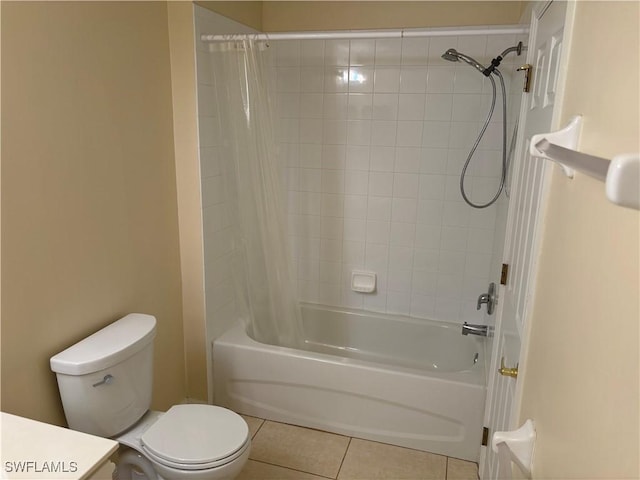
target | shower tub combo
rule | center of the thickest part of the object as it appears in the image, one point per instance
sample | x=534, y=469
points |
x=397, y=380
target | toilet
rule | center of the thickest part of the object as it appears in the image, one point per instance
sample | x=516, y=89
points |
x=105, y=383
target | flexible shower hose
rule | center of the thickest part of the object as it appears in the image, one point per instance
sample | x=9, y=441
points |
x=503, y=176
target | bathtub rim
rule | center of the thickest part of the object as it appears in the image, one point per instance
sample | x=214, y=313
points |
x=238, y=336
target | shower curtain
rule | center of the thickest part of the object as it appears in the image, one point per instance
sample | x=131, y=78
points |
x=263, y=277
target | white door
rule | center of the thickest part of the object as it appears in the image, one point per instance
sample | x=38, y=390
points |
x=523, y=225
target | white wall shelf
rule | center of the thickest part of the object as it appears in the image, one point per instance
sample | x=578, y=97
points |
x=621, y=175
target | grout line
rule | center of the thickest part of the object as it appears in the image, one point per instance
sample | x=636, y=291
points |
x=446, y=469
x=344, y=456
x=292, y=469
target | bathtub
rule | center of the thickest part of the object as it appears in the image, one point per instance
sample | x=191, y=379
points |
x=397, y=380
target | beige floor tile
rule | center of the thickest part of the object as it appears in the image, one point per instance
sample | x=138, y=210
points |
x=461, y=470
x=263, y=471
x=370, y=460
x=254, y=424
x=299, y=448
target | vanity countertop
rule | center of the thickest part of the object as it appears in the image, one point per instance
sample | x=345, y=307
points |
x=36, y=450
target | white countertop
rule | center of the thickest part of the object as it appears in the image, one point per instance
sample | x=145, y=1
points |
x=34, y=450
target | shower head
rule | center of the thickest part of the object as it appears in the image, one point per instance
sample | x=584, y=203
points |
x=453, y=55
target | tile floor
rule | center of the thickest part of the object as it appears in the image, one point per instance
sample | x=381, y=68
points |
x=286, y=452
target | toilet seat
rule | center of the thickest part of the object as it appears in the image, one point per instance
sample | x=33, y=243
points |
x=196, y=437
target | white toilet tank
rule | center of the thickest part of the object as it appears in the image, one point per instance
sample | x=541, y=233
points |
x=105, y=380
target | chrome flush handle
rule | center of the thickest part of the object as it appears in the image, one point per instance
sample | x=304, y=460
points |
x=108, y=378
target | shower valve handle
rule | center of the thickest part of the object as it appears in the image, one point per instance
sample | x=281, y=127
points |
x=528, y=73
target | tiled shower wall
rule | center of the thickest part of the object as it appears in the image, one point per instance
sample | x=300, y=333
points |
x=374, y=134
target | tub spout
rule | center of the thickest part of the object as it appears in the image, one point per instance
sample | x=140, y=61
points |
x=481, y=330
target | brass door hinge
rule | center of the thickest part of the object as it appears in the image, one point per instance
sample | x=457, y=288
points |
x=504, y=274
x=485, y=436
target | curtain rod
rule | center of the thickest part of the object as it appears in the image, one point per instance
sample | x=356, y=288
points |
x=362, y=34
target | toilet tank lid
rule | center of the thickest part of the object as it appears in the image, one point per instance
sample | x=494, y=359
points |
x=107, y=347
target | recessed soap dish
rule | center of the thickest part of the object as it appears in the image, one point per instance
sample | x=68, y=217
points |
x=363, y=281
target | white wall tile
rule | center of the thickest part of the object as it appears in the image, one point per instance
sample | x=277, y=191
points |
x=385, y=106
x=401, y=257
x=453, y=239
x=311, y=105
x=332, y=205
x=383, y=133
x=310, y=130
x=335, y=105
x=467, y=80
x=413, y=79
x=378, y=232
x=362, y=52
x=387, y=80
x=438, y=106
x=287, y=53
x=398, y=303
x=426, y=261
x=360, y=106
x=358, y=132
x=334, y=132
x=402, y=234
x=353, y=252
x=440, y=79
x=333, y=157
x=288, y=79
x=330, y=250
x=415, y=51
x=399, y=280
x=336, y=52
x=382, y=159
x=379, y=208
x=428, y=236
x=436, y=134
x=310, y=180
x=411, y=106
x=355, y=230
x=355, y=206
x=381, y=184
x=310, y=156
x=336, y=79
x=356, y=182
x=361, y=79
x=407, y=160
x=312, y=52
x=312, y=79
x=388, y=51
x=409, y=133
x=424, y=282
x=331, y=227
x=332, y=181
x=433, y=161
x=405, y=185
x=357, y=157
x=404, y=210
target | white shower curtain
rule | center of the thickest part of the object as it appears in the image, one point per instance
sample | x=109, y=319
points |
x=264, y=282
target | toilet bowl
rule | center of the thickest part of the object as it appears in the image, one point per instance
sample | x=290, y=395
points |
x=194, y=442
x=105, y=387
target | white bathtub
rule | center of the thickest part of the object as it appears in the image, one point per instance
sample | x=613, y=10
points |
x=413, y=383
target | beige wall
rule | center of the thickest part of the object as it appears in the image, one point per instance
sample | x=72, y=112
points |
x=320, y=15
x=246, y=12
x=185, y=128
x=581, y=379
x=280, y=16
x=89, y=216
